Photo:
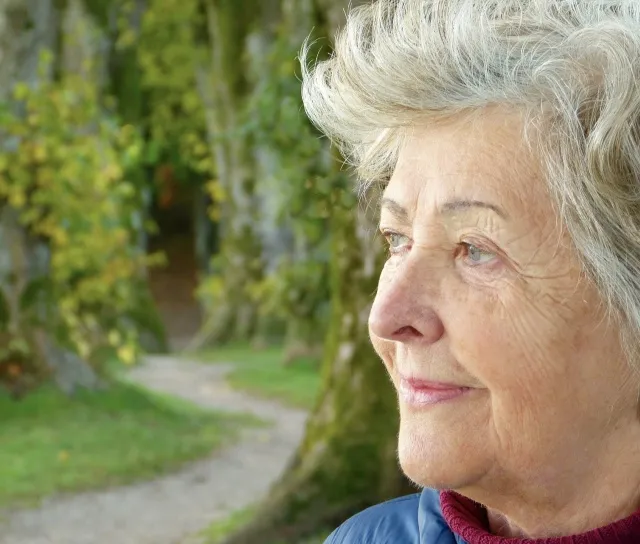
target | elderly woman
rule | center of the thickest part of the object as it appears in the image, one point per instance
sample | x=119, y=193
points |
x=506, y=137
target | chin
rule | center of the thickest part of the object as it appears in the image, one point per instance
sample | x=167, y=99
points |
x=439, y=458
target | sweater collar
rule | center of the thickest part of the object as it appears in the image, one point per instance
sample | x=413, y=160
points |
x=468, y=520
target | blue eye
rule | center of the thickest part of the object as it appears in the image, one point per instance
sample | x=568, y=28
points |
x=477, y=256
x=395, y=240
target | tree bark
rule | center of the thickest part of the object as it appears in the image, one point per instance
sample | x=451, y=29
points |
x=347, y=459
x=223, y=87
x=124, y=81
x=27, y=29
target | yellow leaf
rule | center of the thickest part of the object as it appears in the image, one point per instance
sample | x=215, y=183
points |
x=39, y=153
x=127, y=354
x=114, y=338
x=17, y=199
x=204, y=165
x=59, y=236
x=83, y=347
x=214, y=213
x=216, y=190
x=113, y=172
x=63, y=456
x=200, y=149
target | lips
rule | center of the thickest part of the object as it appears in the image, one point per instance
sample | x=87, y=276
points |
x=425, y=393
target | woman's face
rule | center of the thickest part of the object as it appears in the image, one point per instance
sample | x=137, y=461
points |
x=509, y=374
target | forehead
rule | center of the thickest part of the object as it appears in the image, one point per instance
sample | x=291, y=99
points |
x=481, y=157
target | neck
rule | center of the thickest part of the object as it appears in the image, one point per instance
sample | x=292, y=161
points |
x=542, y=526
x=582, y=497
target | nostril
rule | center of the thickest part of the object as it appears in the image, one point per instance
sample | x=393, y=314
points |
x=406, y=332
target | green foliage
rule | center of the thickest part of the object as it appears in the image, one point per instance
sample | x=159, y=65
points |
x=5, y=312
x=275, y=118
x=64, y=169
x=51, y=443
x=298, y=289
x=173, y=53
x=311, y=193
x=295, y=289
x=169, y=55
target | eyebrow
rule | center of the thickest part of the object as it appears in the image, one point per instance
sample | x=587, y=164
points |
x=401, y=213
x=398, y=211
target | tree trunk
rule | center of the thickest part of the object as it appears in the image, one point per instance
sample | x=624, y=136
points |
x=223, y=87
x=124, y=77
x=28, y=28
x=347, y=460
x=273, y=237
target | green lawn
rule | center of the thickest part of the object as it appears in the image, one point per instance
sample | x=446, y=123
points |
x=262, y=373
x=221, y=529
x=50, y=443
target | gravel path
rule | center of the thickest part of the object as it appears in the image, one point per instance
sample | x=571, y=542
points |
x=172, y=508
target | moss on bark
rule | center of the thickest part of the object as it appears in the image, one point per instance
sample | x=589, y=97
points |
x=347, y=460
x=223, y=86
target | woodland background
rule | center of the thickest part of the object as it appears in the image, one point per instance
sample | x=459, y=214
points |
x=162, y=190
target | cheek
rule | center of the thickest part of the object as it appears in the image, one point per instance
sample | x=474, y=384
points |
x=510, y=343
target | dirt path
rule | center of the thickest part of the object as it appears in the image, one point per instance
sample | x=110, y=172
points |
x=170, y=509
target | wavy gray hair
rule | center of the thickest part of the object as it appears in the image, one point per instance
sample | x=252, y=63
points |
x=571, y=67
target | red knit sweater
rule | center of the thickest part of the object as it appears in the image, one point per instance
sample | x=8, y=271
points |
x=469, y=520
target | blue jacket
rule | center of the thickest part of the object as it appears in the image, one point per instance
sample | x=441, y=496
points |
x=414, y=519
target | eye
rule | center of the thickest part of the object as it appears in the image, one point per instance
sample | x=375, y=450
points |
x=476, y=256
x=395, y=241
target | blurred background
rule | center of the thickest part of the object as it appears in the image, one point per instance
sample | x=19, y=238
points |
x=185, y=278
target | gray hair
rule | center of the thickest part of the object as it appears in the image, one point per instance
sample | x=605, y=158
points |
x=572, y=67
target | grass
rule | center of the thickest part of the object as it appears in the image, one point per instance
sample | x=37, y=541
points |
x=217, y=531
x=220, y=529
x=261, y=373
x=50, y=443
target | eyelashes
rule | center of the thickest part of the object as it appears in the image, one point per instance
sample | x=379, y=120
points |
x=396, y=242
x=475, y=255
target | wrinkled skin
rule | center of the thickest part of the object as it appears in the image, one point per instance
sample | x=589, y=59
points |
x=495, y=300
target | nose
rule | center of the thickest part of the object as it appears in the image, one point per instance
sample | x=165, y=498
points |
x=402, y=310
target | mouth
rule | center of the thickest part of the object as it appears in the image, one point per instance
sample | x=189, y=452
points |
x=422, y=393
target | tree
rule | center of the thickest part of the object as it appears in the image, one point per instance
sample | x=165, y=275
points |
x=294, y=184
x=70, y=264
x=223, y=86
x=27, y=353
x=347, y=460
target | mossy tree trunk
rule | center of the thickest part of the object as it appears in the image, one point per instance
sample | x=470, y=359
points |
x=304, y=329
x=224, y=88
x=124, y=76
x=29, y=351
x=269, y=230
x=347, y=460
